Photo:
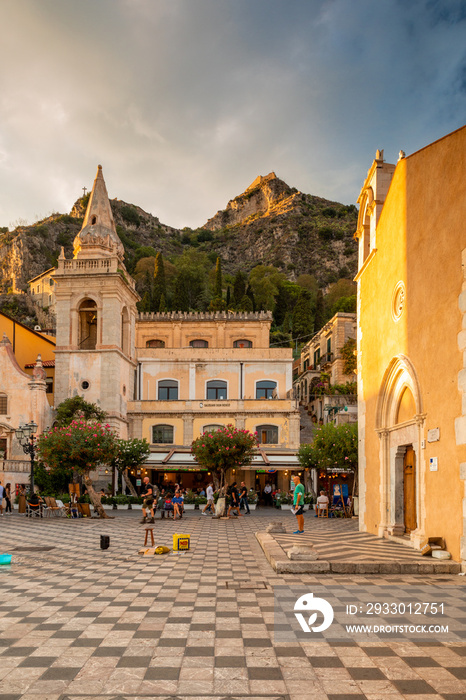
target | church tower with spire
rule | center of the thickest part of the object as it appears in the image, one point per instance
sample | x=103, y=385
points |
x=96, y=314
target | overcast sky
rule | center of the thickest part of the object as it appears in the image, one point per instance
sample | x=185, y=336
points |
x=185, y=102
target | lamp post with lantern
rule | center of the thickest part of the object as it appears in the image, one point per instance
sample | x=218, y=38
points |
x=26, y=436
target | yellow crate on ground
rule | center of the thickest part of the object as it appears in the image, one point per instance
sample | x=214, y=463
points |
x=180, y=542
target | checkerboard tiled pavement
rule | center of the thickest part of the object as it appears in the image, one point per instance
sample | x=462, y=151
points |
x=78, y=622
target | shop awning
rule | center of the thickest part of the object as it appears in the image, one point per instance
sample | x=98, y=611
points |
x=181, y=460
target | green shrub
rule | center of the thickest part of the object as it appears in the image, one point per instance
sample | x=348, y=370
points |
x=130, y=215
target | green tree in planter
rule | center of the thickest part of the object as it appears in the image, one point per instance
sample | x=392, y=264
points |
x=333, y=446
x=75, y=408
x=224, y=449
x=81, y=447
x=130, y=455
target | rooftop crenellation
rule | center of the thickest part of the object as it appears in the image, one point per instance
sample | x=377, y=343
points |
x=206, y=316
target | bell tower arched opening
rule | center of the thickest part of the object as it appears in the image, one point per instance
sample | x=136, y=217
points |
x=87, y=338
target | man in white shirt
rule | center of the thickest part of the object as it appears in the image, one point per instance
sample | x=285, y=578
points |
x=268, y=495
x=322, y=501
x=210, y=499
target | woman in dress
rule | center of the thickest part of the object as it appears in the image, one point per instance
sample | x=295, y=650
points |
x=22, y=499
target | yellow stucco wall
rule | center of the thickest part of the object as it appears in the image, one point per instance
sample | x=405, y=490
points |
x=27, y=344
x=419, y=240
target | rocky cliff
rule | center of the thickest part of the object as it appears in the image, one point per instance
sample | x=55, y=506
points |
x=299, y=233
x=269, y=223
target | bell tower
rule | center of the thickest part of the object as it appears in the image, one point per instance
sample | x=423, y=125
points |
x=96, y=314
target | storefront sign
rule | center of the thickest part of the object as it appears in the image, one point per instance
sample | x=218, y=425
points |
x=138, y=482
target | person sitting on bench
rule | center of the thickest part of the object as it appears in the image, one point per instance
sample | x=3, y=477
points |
x=177, y=502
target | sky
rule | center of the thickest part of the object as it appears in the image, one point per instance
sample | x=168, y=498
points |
x=185, y=102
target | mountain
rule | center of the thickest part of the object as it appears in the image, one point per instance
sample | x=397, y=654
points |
x=269, y=223
x=274, y=224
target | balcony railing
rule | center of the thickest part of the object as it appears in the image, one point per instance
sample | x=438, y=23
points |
x=15, y=465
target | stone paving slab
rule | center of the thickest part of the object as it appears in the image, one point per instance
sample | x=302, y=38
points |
x=275, y=548
x=79, y=622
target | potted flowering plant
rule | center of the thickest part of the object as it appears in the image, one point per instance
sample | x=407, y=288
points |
x=286, y=501
x=252, y=499
x=189, y=500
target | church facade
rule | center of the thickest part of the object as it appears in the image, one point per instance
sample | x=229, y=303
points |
x=412, y=346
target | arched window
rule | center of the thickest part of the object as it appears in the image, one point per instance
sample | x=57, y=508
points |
x=168, y=390
x=87, y=325
x=242, y=344
x=267, y=434
x=211, y=428
x=162, y=434
x=265, y=389
x=216, y=389
x=125, y=331
x=199, y=343
x=3, y=404
x=155, y=343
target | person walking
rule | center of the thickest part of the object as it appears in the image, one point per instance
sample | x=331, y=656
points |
x=210, y=499
x=148, y=502
x=243, y=498
x=298, y=505
x=234, y=500
x=8, y=498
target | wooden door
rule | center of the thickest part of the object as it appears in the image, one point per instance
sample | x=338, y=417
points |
x=409, y=490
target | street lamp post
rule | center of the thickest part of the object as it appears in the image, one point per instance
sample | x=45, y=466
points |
x=26, y=436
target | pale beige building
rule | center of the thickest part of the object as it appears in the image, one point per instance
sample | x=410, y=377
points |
x=167, y=377
x=42, y=289
x=322, y=356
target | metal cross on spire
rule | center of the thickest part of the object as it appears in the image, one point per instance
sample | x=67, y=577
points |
x=84, y=191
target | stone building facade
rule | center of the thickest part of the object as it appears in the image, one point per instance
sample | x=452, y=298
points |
x=412, y=345
x=164, y=377
x=321, y=356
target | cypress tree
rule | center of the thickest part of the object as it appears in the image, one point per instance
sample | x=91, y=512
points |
x=303, y=322
x=239, y=287
x=250, y=294
x=319, y=317
x=245, y=304
x=181, y=296
x=228, y=296
x=163, y=304
x=160, y=287
x=218, y=280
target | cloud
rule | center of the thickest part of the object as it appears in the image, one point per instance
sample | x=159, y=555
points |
x=184, y=103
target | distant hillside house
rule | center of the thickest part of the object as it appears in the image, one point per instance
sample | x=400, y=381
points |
x=42, y=289
x=322, y=356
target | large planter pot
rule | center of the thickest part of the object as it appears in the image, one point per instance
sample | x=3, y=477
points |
x=252, y=506
x=107, y=507
x=220, y=507
x=136, y=506
x=189, y=506
x=286, y=506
